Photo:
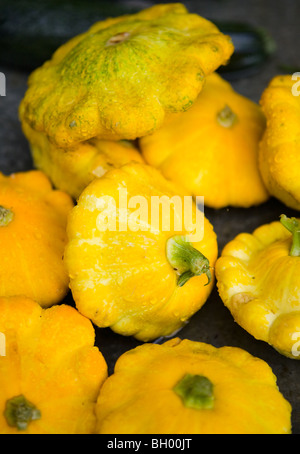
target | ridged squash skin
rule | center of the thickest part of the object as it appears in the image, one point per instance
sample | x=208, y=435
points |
x=33, y=219
x=212, y=149
x=258, y=281
x=119, y=79
x=72, y=169
x=140, y=397
x=279, y=154
x=120, y=276
x=51, y=361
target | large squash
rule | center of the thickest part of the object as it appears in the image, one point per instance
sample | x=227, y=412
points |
x=72, y=169
x=132, y=269
x=212, y=149
x=186, y=387
x=51, y=373
x=279, y=154
x=33, y=219
x=120, y=78
x=258, y=280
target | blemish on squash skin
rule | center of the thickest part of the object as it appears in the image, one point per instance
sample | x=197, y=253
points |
x=119, y=38
x=241, y=298
x=73, y=124
x=6, y=216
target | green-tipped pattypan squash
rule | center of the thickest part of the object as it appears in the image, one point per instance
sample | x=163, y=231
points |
x=120, y=78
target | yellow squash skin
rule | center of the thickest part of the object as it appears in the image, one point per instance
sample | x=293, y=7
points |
x=72, y=169
x=33, y=237
x=279, y=154
x=258, y=281
x=123, y=279
x=120, y=78
x=139, y=398
x=52, y=362
x=212, y=149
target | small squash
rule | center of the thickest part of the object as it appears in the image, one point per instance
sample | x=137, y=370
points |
x=258, y=281
x=120, y=78
x=71, y=170
x=186, y=387
x=212, y=149
x=279, y=153
x=132, y=269
x=33, y=220
x=51, y=373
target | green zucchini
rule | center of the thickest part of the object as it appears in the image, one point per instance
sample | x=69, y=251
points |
x=31, y=31
x=253, y=47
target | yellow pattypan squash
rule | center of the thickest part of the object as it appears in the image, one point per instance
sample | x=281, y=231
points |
x=186, y=387
x=72, y=169
x=33, y=220
x=258, y=280
x=120, y=78
x=130, y=270
x=212, y=149
x=279, y=154
x=51, y=373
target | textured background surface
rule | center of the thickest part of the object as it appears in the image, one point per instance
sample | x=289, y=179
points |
x=213, y=323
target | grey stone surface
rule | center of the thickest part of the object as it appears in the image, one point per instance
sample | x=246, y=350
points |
x=213, y=323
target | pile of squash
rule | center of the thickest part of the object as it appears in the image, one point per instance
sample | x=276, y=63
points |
x=136, y=104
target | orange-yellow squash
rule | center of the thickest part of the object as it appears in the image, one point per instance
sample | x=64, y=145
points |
x=131, y=268
x=33, y=220
x=72, y=169
x=212, y=149
x=279, y=153
x=258, y=281
x=50, y=370
x=186, y=387
x=120, y=78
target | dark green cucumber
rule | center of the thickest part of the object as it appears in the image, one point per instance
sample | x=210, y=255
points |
x=253, y=47
x=30, y=31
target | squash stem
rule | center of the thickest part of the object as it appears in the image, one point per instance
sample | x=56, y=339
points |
x=196, y=391
x=186, y=260
x=119, y=38
x=6, y=216
x=226, y=117
x=19, y=412
x=293, y=226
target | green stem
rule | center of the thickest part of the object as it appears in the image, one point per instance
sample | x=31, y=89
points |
x=196, y=391
x=19, y=412
x=226, y=117
x=186, y=260
x=293, y=226
x=6, y=216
